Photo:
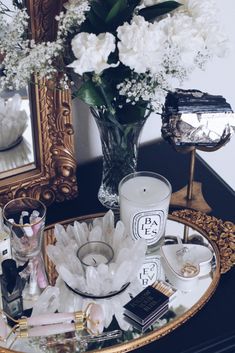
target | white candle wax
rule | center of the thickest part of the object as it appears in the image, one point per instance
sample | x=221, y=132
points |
x=94, y=253
x=144, y=202
x=94, y=259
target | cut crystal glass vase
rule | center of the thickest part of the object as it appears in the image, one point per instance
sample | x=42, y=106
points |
x=119, y=147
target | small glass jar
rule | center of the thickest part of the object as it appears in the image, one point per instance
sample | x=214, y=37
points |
x=25, y=217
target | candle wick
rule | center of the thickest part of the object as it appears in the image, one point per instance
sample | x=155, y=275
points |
x=144, y=190
x=94, y=260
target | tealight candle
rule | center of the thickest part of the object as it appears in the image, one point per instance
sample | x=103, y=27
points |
x=94, y=253
x=144, y=202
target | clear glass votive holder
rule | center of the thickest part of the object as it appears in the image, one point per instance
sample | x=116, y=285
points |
x=144, y=199
x=94, y=253
x=25, y=218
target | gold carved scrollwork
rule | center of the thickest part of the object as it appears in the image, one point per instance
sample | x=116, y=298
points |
x=220, y=232
x=42, y=14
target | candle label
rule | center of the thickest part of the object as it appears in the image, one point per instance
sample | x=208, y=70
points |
x=148, y=225
x=151, y=271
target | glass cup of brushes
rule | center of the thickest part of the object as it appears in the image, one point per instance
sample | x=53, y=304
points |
x=25, y=217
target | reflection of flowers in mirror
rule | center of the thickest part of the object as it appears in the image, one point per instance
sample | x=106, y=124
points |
x=13, y=122
x=128, y=53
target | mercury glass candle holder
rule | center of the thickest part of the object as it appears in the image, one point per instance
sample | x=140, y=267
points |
x=94, y=253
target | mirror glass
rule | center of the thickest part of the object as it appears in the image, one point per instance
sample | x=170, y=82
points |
x=182, y=306
x=18, y=155
x=16, y=138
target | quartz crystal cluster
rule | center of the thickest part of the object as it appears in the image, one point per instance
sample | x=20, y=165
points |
x=13, y=122
x=104, y=279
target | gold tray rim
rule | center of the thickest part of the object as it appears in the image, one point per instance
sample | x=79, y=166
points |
x=208, y=226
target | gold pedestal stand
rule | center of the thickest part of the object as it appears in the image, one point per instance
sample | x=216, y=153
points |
x=190, y=196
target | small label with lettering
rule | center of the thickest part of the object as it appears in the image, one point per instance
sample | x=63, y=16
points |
x=151, y=271
x=148, y=225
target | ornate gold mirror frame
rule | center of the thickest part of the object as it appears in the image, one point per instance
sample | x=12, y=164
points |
x=52, y=177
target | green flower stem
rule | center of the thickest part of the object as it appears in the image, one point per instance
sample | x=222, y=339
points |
x=98, y=81
x=109, y=105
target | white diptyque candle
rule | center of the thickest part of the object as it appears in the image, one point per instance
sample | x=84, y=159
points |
x=144, y=202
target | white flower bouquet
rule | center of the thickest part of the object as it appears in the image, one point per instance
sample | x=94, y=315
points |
x=126, y=53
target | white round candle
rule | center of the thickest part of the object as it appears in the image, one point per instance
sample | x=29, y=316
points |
x=144, y=201
x=94, y=260
x=94, y=253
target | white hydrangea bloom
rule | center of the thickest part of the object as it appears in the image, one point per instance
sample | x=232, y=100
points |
x=184, y=37
x=141, y=44
x=206, y=22
x=92, y=52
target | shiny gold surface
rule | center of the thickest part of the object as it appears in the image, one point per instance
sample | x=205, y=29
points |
x=220, y=232
x=53, y=177
x=191, y=175
x=196, y=200
x=191, y=195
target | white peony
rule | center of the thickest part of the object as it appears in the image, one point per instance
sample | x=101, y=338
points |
x=92, y=52
x=141, y=44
